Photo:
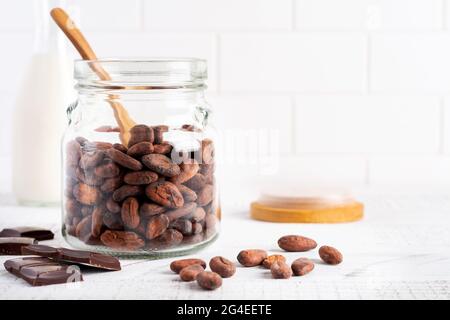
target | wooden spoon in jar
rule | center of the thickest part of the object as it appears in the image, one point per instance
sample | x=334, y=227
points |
x=74, y=34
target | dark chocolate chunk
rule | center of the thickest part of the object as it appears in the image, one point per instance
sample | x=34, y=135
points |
x=39, y=234
x=12, y=246
x=40, y=271
x=92, y=259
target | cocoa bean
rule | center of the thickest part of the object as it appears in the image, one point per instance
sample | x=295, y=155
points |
x=122, y=240
x=161, y=164
x=182, y=225
x=130, y=213
x=124, y=160
x=96, y=145
x=205, y=195
x=197, y=228
x=112, y=206
x=198, y=214
x=107, y=170
x=209, y=280
x=112, y=221
x=140, y=133
x=73, y=153
x=87, y=195
x=170, y=238
x=126, y=191
x=148, y=210
x=140, y=177
x=165, y=194
x=91, y=159
x=296, y=243
x=196, y=183
x=252, y=257
x=111, y=184
x=188, y=194
x=302, y=266
x=207, y=151
x=222, y=266
x=188, y=170
x=330, y=255
x=88, y=177
x=184, y=211
x=162, y=148
x=97, y=221
x=140, y=149
x=156, y=226
x=270, y=260
x=177, y=265
x=280, y=270
x=120, y=147
x=190, y=273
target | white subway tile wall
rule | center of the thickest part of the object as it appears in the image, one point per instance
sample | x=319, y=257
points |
x=346, y=91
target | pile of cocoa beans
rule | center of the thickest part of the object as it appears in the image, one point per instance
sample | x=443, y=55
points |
x=143, y=196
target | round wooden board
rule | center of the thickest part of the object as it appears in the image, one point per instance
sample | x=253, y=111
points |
x=348, y=212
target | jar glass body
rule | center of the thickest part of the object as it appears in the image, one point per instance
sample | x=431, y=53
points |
x=148, y=190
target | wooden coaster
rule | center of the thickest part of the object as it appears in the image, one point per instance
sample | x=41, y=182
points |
x=319, y=212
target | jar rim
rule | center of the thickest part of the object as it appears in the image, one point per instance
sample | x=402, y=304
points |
x=157, y=72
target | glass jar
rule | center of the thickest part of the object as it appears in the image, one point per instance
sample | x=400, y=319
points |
x=148, y=188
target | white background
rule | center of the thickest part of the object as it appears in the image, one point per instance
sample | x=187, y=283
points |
x=358, y=89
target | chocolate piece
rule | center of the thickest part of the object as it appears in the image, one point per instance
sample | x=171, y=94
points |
x=12, y=246
x=92, y=259
x=40, y=271
x=39, y=234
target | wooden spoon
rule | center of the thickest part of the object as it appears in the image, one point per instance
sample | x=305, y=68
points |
x=74, y=34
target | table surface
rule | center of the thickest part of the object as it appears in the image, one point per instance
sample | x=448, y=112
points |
x=400, y=250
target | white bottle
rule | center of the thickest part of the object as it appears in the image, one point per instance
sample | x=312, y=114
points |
x=40, y=115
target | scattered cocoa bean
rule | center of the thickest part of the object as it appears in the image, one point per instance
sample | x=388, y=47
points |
x=252, y=257
x=330, y=255
x=188, y=170
x=222, y=266
x=190, y=273
x=296, y=243
x=177, y=265
x=209, y=280
x=280, y=270
x=267, y=262
x=302, y=266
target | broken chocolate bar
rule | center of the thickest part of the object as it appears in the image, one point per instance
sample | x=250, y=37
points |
x=92, y=259
x=13, y=246
x=39, y=271
x=39, y=234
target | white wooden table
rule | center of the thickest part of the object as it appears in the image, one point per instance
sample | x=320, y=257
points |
x=401, y=250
